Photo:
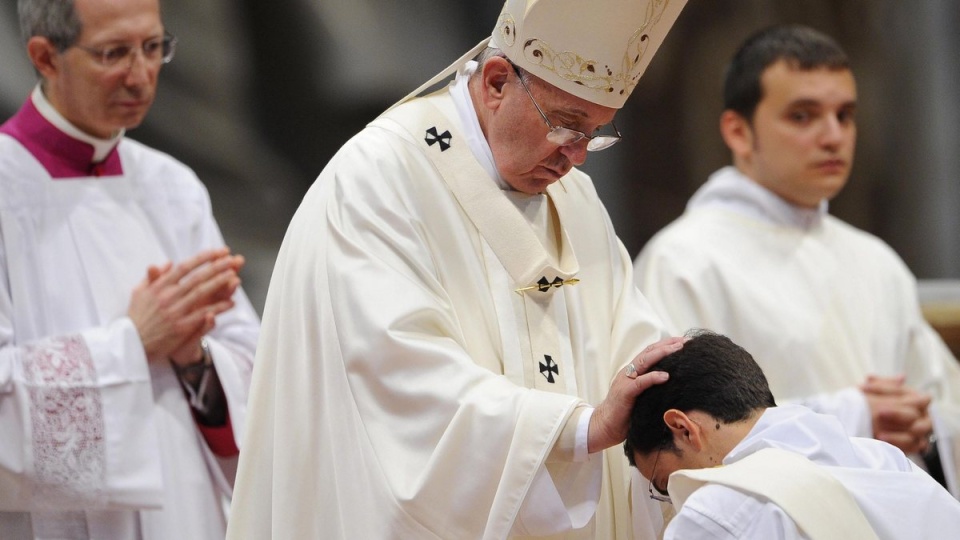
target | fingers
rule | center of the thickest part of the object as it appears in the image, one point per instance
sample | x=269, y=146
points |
x=187, y=352
x=154, y=272
x=900, y=414
x=653, y=354
x=210, y=282
x=216, y=288
x=907, y=441
x=876, y=384
x=610, y=420
x=184, y=268
x=897, y=418
x=647, y=380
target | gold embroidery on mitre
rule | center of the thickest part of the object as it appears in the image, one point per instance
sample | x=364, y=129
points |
x=508, y=29
x=572, y=67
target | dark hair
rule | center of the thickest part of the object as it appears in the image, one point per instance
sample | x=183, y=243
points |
x=802, y=47
x=711, y=374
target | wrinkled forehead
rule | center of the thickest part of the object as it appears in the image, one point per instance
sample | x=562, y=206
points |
x=555, y=100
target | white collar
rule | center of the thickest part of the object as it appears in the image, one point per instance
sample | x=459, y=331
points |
x=101, y=147
x=731, y=189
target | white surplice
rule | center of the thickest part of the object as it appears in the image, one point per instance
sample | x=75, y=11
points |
x=404, y=388
x=818, y=303
x=897, y=498
x=94, y=441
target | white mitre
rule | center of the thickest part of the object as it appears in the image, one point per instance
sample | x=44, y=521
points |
x=594, y=49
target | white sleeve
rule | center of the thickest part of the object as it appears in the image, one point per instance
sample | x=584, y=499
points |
x=563, y=502
x=848, y=405
x=76, y=413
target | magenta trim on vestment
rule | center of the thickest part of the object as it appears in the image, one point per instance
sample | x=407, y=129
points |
x=60, y=154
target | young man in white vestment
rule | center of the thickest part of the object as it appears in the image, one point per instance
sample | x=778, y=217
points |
x=126, y=344
x=830, y=312
x=452, y=337
x=737, y=467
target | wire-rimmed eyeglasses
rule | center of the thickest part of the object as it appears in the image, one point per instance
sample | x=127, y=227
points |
x=156, y=51
x=563, y=136
x=656, y=495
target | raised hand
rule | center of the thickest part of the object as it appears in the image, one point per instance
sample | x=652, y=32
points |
x=610, y=420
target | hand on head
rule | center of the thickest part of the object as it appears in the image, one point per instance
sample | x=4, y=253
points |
x=175, y=305
x=610, y=420
x=900, y=414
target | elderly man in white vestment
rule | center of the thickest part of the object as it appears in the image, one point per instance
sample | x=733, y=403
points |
x=452, y=336
x=830, y=312
x=787, y=472
x=126, y=344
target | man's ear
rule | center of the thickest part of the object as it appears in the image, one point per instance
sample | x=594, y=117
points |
x=737, y=133
x=496, y=71
x=44, y=56
x=686, y=432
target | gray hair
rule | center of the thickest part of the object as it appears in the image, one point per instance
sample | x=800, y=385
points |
x=55, y=20
x=491, y=52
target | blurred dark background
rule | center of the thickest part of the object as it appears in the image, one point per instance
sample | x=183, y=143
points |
x=261, y=94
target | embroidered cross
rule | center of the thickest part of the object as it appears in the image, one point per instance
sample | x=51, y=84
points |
x=443, y=138
x=549, y=369
x=543, y=285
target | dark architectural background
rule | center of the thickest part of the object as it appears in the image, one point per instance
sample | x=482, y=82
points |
x=261, y=94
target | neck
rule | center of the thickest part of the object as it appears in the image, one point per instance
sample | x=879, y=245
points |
x=721, y=438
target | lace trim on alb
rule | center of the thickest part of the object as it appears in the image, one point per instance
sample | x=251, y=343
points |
x=66, y=414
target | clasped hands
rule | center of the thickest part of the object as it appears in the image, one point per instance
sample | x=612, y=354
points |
x=176, y=305
x=900, y=414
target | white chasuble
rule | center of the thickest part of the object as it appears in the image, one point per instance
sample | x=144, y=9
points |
x=521, y=233
x=426, y=344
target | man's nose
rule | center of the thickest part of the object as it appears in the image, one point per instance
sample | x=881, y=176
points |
x=138, y=72
x=576, y=152
x=833, y=131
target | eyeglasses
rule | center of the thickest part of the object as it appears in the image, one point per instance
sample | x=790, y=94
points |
x=562, y=136
x=656, y=496
x=155, y=51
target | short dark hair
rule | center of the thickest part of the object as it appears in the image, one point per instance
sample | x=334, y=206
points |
x=710, y=373
x=802, y=47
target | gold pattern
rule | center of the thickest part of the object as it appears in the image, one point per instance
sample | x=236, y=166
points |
x=577, y=69
x=508, y=29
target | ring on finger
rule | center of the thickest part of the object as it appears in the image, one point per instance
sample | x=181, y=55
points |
x=631, y=370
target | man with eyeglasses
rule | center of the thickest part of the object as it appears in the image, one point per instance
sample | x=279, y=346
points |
x=736, y=466
x=452, y=340
x=126, y=342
